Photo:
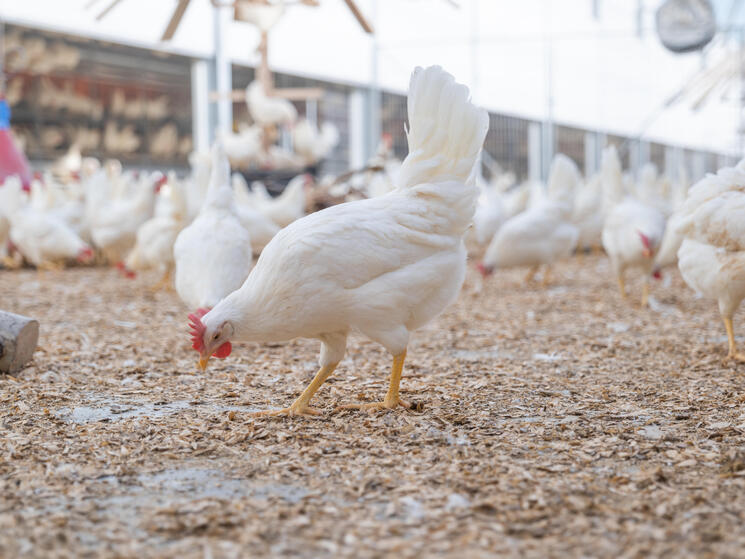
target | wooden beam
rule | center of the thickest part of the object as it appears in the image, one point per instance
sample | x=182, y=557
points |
x=178, y=13
x=297, y=93
x=106, y=10
x=359, y=17
x=237, y=96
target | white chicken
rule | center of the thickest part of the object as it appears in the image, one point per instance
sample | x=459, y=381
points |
x=712, y=255
x=195, y=186
x=288, y=206
x=242, y=149
x=671, y=241
x=489, y=215
x=114, y=223
x=156, y=237
x=587, y=214
x=43, y=239
x=632, y=231
x=383, y=266
x=268, y=111
x=311, y=144
x=213, y=254
x=541, y=235
x=260, y=228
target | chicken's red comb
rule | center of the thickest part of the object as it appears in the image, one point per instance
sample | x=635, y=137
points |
x=160, y=182
x=197, y=328
x=645, y=240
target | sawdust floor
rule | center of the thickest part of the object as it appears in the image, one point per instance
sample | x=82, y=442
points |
x=558, y=422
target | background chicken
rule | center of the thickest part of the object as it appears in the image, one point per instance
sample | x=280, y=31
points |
x=383, y=266
x=632, y=232
x=260, y=228
x=285, y=208
x=712, y=256
x=268, y=111
x=120, y=211
x=542, y=234
x=311, y=144
x=42, y=238
x=213, y=254
x=157, y=236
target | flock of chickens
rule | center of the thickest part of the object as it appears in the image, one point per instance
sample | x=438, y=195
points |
x=392, y=258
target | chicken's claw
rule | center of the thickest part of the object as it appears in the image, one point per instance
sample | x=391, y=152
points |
x=735, y=357
x=292, y=411
x=375, y=406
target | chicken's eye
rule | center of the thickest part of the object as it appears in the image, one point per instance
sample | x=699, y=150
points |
x=217, y=335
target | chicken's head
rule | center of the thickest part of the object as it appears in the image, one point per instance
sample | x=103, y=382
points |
x=85, y=255
x=209, y=341
x=484, y=269
x=126, y=272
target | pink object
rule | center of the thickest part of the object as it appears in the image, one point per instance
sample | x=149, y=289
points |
x=12, y=160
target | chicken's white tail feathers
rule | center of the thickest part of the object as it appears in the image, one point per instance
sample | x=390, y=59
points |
x=562, y=179
x=446, y=131
x=219, y=191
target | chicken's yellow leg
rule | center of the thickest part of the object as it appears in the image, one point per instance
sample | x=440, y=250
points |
x=622, y=286
x=49, y=266
x=645, y=294
x=732, y=355
x=12, y=263
x=531, y=274
x=392, y=399
x=164, y=282
x=300, y=406
x=546, y=276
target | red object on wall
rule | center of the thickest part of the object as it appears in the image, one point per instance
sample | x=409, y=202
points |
x=12, y=160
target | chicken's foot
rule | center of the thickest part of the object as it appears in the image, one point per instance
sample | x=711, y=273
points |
x=531, y=274
x=733, y=355
x=164, y=282
x=546, y=276
x=12, y=263
x=300, y=406
x=49, y=266
x=622, y=286
x=392, y=399
x=645, y=294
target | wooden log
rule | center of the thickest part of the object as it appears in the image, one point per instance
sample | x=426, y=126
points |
x=18, y=338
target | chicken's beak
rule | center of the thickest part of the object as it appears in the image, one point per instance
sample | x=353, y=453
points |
x=203, y=360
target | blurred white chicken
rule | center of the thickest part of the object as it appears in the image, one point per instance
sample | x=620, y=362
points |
x=671, y=241
x=489, y=215
x=68, y=166
x=196, y=185
x=157, y=236
x=587, y=214
x=268, y=111
x=312, y=145
x=242, y=149
x=712, y=255
x=632, y=232
x=543, y=234
x=383, y=266
x=116, y=217
x=285, y=208
x=260, y=228
x=213, y=254
x=43, y=239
